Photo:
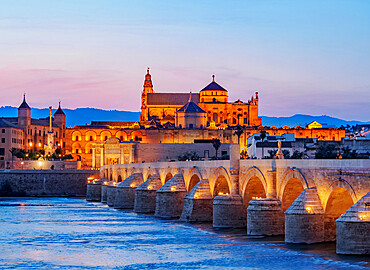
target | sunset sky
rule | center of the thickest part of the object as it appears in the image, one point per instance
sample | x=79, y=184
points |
x=310, y=57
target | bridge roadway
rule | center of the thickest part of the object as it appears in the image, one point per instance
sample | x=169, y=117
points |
x=301, y=198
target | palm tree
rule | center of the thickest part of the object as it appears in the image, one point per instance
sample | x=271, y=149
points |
x=263, y=137
x=216, y=143
x=238, y=132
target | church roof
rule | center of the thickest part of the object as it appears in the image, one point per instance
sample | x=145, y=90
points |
x=24, y=104
x=191, y=107
x=213, y=86
x=59, y=111
x=171, y=98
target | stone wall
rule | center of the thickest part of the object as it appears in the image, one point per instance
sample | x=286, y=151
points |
x=156, y=152
x=45, y=182
x=44, y=164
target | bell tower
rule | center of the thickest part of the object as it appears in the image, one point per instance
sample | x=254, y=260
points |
x=148, y=88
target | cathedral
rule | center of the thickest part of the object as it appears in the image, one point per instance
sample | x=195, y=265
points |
x=208, y=108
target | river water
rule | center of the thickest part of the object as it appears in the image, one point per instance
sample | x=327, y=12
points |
x=70, y=233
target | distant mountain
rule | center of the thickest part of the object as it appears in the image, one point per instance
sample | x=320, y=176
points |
x=81, y=116
x=303, y=120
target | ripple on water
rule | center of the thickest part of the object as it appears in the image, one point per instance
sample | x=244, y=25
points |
x=69, y=233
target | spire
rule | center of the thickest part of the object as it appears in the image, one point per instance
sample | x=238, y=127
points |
x=59, y=110
x=148, y=85
x=189, y=97
x=213, y=78
x=24, y=104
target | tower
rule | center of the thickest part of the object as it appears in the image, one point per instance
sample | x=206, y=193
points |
x=60, y=118
x=148, y=88
x=60, y=121
x=24, y=114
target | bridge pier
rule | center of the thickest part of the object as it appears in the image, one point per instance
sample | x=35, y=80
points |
x=304, y=219
x=93, y=191
x=145, y=195
x=170, y=198
x=265, y=217
x=111, y=193
x=353, y=228
x=198, y=204
x=125, y=191
x=104, y=188
x=229, y=212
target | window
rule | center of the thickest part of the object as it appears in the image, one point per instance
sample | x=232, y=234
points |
x=91, y=138
x=39, y=132
x=190, y=126
x=77, y=151
x=3, y=140
x=215, y=117
x=3, y=130
x=77, y=138
x=121, y=138
x=2, y=151
x=105, y=138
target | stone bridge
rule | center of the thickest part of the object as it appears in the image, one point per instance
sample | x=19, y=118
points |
x=301, y=198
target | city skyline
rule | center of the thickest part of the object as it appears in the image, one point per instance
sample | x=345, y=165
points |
x=309, y=58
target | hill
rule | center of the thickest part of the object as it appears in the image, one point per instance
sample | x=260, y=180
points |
x=303, y=120
x=81, y=116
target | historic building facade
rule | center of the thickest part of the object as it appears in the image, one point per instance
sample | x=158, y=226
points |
x=178, y=118
x=212, y=99
x=39, y=134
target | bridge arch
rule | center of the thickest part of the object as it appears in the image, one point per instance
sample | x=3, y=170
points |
x=147, y=173
x=291, y=187
x=221, y=182
x=339, y=197
x=254, y=185
x=194, y=177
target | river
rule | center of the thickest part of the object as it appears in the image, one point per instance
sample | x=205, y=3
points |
x=70, y=233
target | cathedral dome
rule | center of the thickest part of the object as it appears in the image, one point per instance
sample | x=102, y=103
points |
x=213, y=86
x=191, y=107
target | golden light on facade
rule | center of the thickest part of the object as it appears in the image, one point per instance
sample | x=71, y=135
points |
x=308, y=209
x=150, y=187
x=364, y=217
x=105, y=183
x=30, y=144
x=173, y=189
x=257, y=198
x=39, y=144
x=40, y=163
x=132, y=185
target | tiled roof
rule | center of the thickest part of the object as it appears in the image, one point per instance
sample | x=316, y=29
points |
x=214, y=86
x=171, y=98
x=5, y=123
x=191, y=107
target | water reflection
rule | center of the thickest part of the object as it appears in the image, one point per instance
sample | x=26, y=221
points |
x=70, y=233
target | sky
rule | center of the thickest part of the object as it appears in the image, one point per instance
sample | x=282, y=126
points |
x=309, y=57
